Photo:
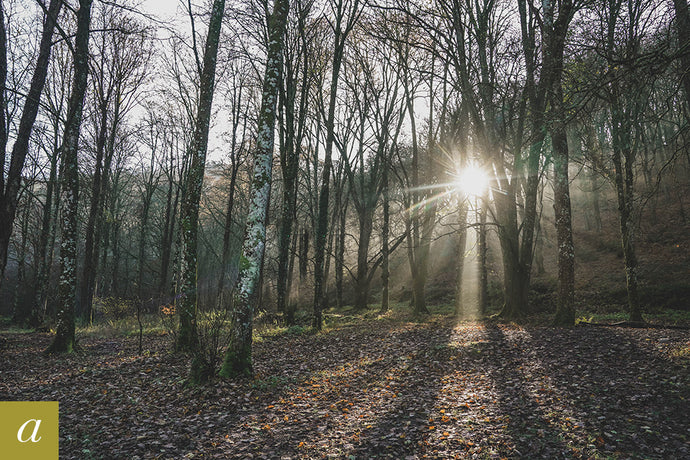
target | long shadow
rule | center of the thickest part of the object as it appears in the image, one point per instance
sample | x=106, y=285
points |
x=336, y=409
x=406, y=415
x=629, y=398
x=531, y=393
x=519, y=424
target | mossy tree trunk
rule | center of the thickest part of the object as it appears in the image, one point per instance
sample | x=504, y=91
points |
x=189, y=210
x=64, y=339
x=238, y=358
x=553, y=47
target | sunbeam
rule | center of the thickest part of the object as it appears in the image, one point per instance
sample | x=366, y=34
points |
x=472, y=180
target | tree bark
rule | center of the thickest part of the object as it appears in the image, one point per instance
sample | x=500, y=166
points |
x=189, y=211
x=461, y=242
x=88, y=272
x=9, y=189
x=238, y=358
x=64, y=339
x=321, y=232
x=45, y=243
x=683, y=28
x=385, y=246
x=565, y=310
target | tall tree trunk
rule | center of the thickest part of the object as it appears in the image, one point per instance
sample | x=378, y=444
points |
x=362, y=280
x=3, y=99
x=303, y=271
x=461, y=236
x=236, y=148
x=594, y=200
x=516, y=269
x=565, y=310
x=64, y=338
x=291, y=269
x=289, y=160
x=164, y=288
x=189, y=212
x=624, y=180
x=227, y=233
x=385, y=246
x=238, y=358
x=46, y=239
x=321, y=233
x=89, y=272
x=482, y=254
x=340, y=250
x=143, y=227
x=20, y=313
x=683, y=28
x=9, y=189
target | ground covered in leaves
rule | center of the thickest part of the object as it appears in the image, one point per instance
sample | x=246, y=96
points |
x=380, y=389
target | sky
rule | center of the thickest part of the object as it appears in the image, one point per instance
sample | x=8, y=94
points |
x=164, y=9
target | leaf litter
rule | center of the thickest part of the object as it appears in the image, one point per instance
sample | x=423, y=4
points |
x=383, y=389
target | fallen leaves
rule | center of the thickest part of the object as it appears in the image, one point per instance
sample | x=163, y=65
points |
x=399, y=391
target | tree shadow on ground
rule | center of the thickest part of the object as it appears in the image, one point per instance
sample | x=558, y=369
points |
x=513, y=422
x=353, y=401
x=628, y=397
x=376, y=390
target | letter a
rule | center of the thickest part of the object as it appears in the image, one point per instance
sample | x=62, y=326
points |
x=33, y=435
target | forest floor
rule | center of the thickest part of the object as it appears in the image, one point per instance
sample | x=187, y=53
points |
x=378, y=388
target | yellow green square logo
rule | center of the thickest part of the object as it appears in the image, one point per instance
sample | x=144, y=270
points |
x=29, y=430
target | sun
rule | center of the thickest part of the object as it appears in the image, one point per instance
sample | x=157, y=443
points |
x=472, y=181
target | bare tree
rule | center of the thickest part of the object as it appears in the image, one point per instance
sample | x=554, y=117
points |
x=10, y=186
x=238, y=358
x=189, y=211
x=64, y=339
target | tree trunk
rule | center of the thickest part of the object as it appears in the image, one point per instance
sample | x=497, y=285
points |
x=189, y=212
x=42, y=274
x=20, y=314
x=385, y=249
x=321, y=232
x=624, y=177
x=461, y=242
x=9, y=189
x=340, y=253
x=168, y=234
x=89, y=270
x=516, y=268
x=594, y=199
x=289, y=163
x=483, y=249
x=683, y=28
x=64, y=339
x=3, y=104
x=238, y=358
x=565, y=311
x=362, y=280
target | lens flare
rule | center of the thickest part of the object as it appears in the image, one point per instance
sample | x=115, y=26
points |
x=472, y=181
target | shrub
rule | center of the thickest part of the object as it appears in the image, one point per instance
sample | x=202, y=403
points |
x=113, y=308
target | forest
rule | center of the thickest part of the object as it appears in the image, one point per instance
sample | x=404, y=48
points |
x=348, y=229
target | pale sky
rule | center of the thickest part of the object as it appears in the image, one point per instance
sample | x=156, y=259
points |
x=164, y=9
